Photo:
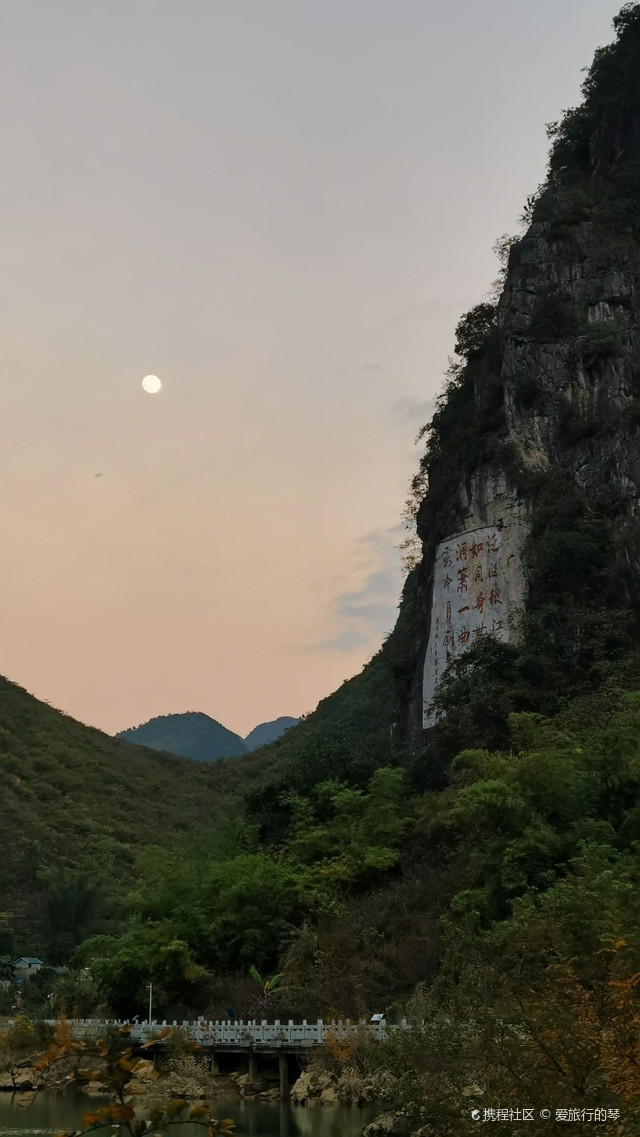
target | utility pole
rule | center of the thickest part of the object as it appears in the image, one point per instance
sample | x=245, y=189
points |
x=150, y=990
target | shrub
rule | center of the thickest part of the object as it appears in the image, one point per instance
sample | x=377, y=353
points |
x=474, y=330
x=555, y=317
x=603, y=338
x=577, y=423
x=526, y=390
x=631, y=413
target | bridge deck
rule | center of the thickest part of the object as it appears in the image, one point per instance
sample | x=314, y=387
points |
x=237, y=1035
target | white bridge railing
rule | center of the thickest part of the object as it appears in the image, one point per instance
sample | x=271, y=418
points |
x=237, y=1033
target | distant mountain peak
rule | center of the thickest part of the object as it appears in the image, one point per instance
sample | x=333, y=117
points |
x=267, y=732
x=190, y=734
x=195, y=735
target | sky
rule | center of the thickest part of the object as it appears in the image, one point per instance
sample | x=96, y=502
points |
x=281, y=208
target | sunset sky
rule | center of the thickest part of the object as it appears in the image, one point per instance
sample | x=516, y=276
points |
x=281, y=208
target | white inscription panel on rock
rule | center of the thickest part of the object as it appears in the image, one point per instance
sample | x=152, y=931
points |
x=476, y=585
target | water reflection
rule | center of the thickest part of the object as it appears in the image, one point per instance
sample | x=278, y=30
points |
x=49, y=1113
x=46, y=1113
x=254, y=1119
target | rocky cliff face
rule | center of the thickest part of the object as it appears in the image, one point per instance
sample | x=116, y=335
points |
x=529, y=523
x=583, y=375
x=477, y=579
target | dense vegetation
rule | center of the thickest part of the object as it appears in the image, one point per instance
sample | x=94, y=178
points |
x=513, y=890
x=74, y=807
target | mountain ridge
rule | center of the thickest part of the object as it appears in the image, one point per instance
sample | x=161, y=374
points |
x=191, y=734
x=270, y=731
x=200, y=737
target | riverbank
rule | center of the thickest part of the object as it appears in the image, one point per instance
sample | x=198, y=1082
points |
x=190, y=1078
x=40, y=1061
x=317, y=1092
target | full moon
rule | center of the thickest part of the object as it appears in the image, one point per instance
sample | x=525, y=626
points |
x=151, y=384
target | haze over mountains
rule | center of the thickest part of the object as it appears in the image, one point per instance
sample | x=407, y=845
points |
x=199, y=737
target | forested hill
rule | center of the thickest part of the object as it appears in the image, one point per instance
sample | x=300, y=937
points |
x=266, y=732
x=191, y=735
x=74, y=798
x=200, y=737
x=346, y=739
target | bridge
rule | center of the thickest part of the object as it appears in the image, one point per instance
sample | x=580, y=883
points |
x=234, y=1034
x=252, y=1038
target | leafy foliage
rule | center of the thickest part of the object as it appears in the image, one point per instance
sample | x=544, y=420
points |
x=350, y=833
x=122, y=966
x=602, y=131
x=75, y=807
x=536, y=994
x=116, y=1063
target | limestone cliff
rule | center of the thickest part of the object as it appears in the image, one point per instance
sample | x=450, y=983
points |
x=529, y=522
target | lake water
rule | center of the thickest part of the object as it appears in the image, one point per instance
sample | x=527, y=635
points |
x=48, y=1113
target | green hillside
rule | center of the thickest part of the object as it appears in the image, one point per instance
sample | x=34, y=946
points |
x=348, y=736
x=192, y=735
x=75, y=802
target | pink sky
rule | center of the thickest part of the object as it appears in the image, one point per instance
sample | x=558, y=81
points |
x=281, y=209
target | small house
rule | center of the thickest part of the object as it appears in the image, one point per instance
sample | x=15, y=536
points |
x=27, y=966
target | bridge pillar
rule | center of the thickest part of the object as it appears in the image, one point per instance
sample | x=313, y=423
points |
x=283, y=1069
x=253, y=1066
